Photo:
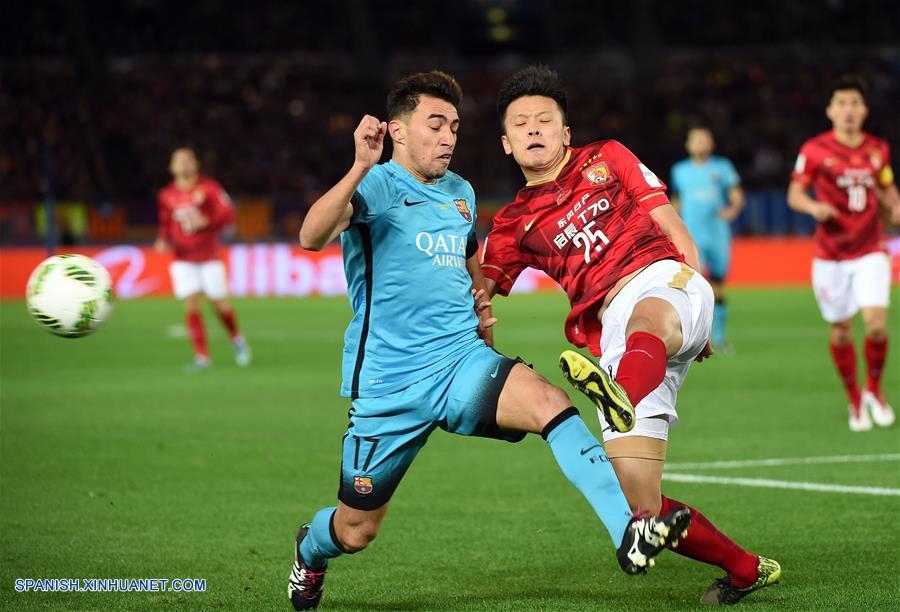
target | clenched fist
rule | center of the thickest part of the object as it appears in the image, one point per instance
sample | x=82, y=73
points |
x=369, y=140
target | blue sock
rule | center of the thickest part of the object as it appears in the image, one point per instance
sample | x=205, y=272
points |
x=720, y=316
x=320, y=543
x=583, y=461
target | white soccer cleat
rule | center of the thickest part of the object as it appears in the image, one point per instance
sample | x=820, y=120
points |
x=242, y=353
x=881, y=411
x=859, y=417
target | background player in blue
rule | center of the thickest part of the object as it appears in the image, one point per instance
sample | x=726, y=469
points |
x=707, y=191
x=413, y=359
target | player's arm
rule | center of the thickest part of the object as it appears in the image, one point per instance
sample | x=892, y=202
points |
x=736, y=202
x=331, y=214
x=890, y=201
x=223, y=209
x=799, y=200
x=165, y=218
x=670, y=223
x=482, y=299
x=675, y=201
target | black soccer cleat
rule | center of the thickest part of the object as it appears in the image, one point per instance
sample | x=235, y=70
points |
x=723, y=593
x=647, y=537
x=304, y=584
x=610, y=398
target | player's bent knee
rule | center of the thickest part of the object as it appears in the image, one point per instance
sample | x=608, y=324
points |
x=356, y=540
x=356, y=537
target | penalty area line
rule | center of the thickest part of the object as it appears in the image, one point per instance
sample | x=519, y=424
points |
x=781, y=484
x=724, y=465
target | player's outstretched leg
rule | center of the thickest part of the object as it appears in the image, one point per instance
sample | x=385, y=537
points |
x=529, y=403
x=583, y=461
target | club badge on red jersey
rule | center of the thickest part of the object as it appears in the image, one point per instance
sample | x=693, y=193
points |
x=198, y=195
x=362, y=485
x=597, y=173
x=875, y=159
x=463, y=209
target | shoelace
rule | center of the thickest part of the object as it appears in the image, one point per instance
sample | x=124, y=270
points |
x=307, y=579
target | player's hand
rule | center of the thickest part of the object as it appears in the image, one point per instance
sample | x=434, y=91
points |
x=823, y=212
x=485, y=319
x=369, y=140
x=160, y=246
x=706, y=353
x=729, y=213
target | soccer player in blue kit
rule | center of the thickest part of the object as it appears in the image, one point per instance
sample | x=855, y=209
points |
x=414, y=355
x=708, y=194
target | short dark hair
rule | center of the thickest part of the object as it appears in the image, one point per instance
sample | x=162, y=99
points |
x=404, y=95
x=535, y=80
x=847, y=82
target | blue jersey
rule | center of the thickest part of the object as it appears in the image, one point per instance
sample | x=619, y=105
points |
x=405, y=260
x=703, y=191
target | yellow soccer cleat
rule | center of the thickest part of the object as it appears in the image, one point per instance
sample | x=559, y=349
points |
x=608, y=395
x=723, y=593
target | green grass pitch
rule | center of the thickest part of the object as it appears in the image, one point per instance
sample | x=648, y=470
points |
x=115, y=463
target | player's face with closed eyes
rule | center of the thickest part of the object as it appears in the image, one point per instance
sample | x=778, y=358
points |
x=534, y=132
x=428, y=137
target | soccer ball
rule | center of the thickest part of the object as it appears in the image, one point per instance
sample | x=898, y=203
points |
x=69, y=295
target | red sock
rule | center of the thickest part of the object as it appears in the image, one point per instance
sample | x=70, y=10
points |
x=197, y=333
x=706, y=543
x=844, y=356
x=230, y=323
x=876, y=353
x=643, y=366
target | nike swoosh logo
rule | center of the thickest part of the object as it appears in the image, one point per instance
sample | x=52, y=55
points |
x=585, y=451
x=529, y=224
x=497, y=369
x=408, y=203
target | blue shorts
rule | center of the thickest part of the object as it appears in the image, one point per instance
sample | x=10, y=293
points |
x=387, y=432
x=715, y=256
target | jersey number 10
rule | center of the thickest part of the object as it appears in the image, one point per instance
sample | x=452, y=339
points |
x=856, y=198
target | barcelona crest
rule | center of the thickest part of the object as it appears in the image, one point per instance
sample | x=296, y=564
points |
x=362, y=485
x=597, y=174
x=463, y=209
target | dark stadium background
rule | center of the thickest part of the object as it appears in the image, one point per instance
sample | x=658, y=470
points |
x=94, y=95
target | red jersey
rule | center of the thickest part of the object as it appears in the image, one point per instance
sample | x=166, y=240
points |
x=586, y=229
x=176, y=209
x=846, y=177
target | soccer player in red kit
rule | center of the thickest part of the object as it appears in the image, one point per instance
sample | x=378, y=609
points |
x=850, y=174
x=193, y=211
x=598, y=221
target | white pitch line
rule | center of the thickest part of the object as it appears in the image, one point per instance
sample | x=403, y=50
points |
x=724, y=465
x=781, y=484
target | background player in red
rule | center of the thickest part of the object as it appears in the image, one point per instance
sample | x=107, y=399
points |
x=850, y=174
x=193, y=211
x=598, y=222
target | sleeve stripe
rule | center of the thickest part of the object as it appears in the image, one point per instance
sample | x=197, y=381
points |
x=652, y=195
x=501, y=270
